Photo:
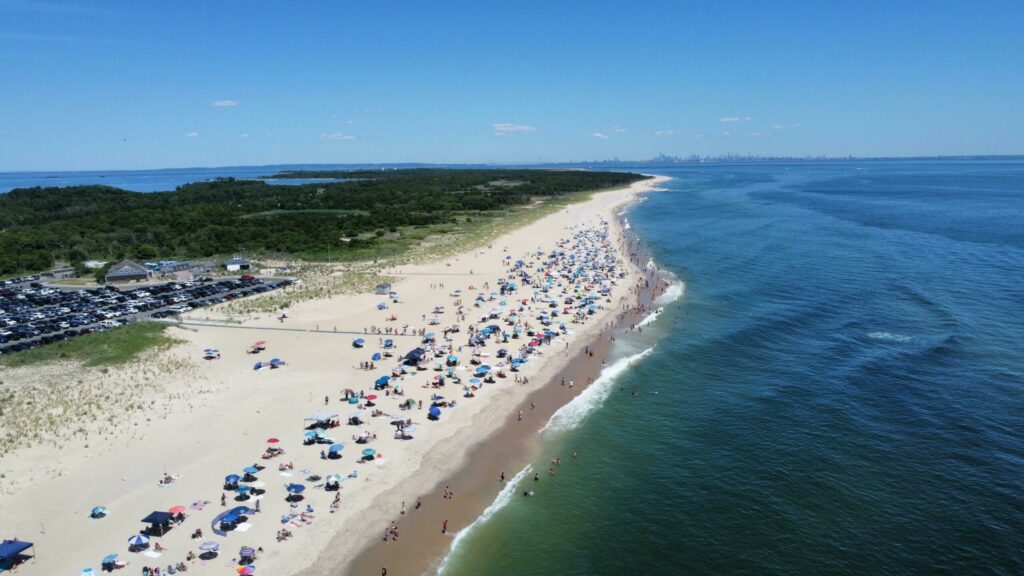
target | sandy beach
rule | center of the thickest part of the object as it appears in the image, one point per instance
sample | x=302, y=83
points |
x=196, y=422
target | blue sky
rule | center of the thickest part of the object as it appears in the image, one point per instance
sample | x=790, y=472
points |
x=104, y=85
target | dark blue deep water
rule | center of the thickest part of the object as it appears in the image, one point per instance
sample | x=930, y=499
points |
x=839, y=391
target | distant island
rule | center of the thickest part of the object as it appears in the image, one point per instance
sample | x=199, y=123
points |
x=42, y=226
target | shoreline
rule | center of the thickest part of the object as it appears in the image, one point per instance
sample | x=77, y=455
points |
x=509, y=450
x=199, y=421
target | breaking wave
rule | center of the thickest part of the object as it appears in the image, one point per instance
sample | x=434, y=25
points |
x=889, y=337
x=650, y=318
x=674, y=292
x=500, y=501
x=593, y=396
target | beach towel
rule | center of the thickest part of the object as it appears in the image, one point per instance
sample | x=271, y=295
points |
x=151, y=554
x=243, y=527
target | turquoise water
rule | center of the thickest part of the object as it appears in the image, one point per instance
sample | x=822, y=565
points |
x=840, y=390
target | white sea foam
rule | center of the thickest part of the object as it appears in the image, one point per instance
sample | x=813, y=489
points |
x=650, y=318
x=674, y=292
x=500, y=501
x=593, y=396
x=889, y=337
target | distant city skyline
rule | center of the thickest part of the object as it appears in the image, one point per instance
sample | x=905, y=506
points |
x=111, y=85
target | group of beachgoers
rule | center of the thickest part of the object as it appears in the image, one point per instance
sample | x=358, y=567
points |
x=534, y=305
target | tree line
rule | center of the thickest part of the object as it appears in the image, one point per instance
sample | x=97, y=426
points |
x=39, y=226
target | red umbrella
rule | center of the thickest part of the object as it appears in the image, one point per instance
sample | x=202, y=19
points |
x=177, y=510
x=371, y=397
x=272, y=440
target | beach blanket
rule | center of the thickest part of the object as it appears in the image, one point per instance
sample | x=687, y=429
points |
x=151, y=554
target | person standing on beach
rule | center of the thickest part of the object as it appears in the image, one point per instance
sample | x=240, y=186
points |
x=444, y=527
x=418, y=503
x=502, y=476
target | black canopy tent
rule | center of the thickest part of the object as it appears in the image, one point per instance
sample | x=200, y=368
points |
x=158, y=522
x=12, y=553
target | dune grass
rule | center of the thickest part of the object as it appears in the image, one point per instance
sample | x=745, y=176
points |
x=108, y=348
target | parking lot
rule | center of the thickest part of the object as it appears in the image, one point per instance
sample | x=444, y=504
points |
x=33, y=314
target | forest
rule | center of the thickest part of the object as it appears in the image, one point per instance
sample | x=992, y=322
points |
x=39, y=226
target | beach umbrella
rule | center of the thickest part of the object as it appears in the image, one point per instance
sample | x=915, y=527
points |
x=99, y=512
x=376, y=357
x=232, y=478
x=246, y=570
x=243, y=489
x=474, y=380
x=109, y=559
x=353, y=400
x=335, y=448
x=435, y=411
x=369, y=452
x=209, y=546
x=371, y=397
x=138, y=540
x=177, y=510
x=297, y=488
x=382, y=381
x=87, y=572
x=247, y=551
x=251, y=470
x=273, y=440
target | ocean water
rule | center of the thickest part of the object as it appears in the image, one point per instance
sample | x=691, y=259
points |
x=838, y=390
x=160, y=180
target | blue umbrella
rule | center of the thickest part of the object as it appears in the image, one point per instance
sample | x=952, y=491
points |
x=369, y=452
x=389, y=343
x=310, y=434
x=336, y=448
x=109, y=558
x=382, y=380
x=435, y=411
x=295, y=488
x=251, y=470
x=232, y=478
x=99, y=511
x=474, y=380
x=243, y=489
x=353, y=400
x=138, y=540
x=376, y=357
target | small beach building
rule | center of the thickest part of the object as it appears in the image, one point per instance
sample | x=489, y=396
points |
x=383, y=289
x=126, y=271
x=236, y=264
x=60, y=273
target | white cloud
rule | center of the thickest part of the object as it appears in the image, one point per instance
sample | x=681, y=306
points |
x=734, y=119
x=224, y=103
x=600, y=136
x=192, y=135
x=618, y=129
x=664, y=133
x=778, y=127
x=336, y=136
x=503, y=128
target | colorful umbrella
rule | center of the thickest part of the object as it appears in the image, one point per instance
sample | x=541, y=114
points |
x=177, y=510
x=138, y=540
x=369, y=452
x=273, y=440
